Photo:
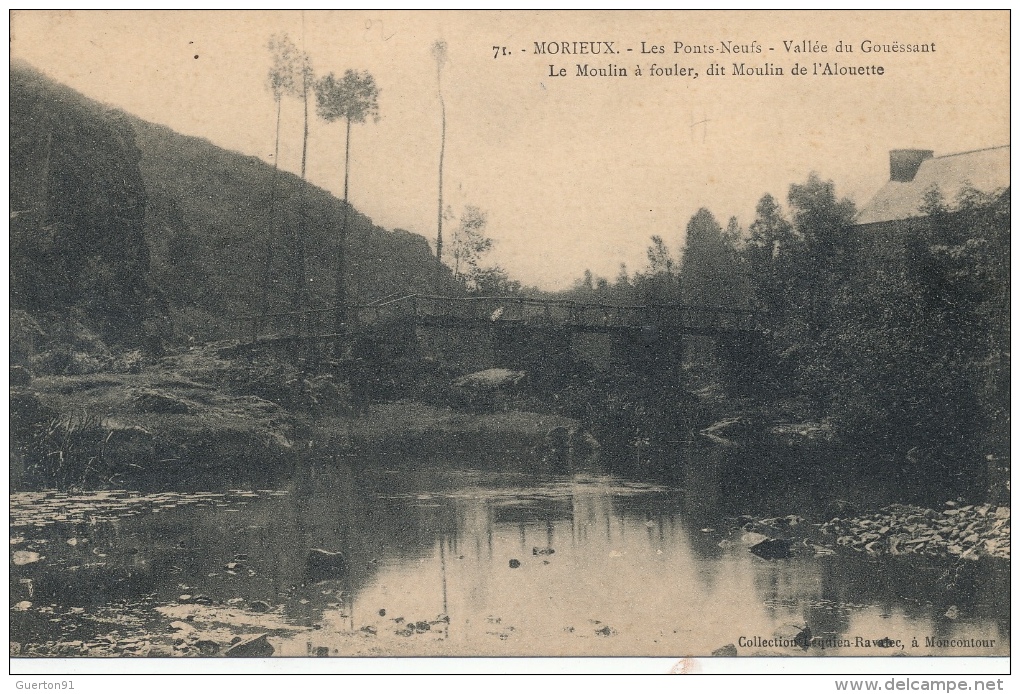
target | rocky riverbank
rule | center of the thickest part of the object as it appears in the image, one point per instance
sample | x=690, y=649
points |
x=204, y=416
x=968, y=532
x=962, y=532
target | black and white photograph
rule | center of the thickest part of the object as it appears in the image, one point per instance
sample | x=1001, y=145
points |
x=672, y=335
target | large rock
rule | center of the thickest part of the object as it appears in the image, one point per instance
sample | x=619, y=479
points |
x=491, y=389
x=323, y=565
x=772, y=549
x=251, y=647
x=490, y=379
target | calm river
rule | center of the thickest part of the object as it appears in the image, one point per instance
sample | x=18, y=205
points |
x=445, y=561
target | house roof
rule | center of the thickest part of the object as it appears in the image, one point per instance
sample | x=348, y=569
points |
x=986, y=170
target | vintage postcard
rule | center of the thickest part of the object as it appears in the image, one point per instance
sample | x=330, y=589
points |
x=344, y=334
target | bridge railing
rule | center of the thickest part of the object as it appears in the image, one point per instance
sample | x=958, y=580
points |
x=490, y=308
x=385, y=310
x=580, y=315
x=320, y=322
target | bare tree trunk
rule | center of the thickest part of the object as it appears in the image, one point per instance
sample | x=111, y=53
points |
x=442, y=152
x=300, y=297
x=341, y=251
x=270, y=228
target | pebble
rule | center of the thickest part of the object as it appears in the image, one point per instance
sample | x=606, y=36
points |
x=22, y=557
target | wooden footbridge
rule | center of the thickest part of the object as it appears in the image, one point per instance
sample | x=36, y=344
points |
x=521, y=333
x=508, y=313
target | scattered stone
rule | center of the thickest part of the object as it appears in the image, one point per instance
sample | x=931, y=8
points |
x=382, y=613
x=514, y=563
x=323, y=564
x=727, y=651
x=536, y=551
x=320, y=652
x=252, y=647
x=968, y=532
x=803, y=638
x=207, y=647
x=370, y=630
x=22, y=557
x=772, y=549
x=605, y=631
x=751, y=539
x=953, y=612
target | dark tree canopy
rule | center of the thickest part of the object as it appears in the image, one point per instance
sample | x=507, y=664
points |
x=709, y=271
x=353, y=97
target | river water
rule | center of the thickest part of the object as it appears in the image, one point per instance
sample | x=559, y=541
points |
x=443, y=559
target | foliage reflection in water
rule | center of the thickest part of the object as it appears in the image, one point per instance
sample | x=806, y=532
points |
x=459, y=562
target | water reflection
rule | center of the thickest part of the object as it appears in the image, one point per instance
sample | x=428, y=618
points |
x=441, y=561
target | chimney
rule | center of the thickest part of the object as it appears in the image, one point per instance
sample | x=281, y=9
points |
x=904, y=163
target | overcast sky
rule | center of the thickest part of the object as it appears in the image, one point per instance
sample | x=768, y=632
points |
x=573, y=172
